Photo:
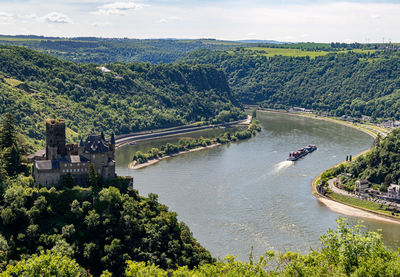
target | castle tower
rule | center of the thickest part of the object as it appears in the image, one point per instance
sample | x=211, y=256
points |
x=81, y=147
x=55, y=139
x=112, y=142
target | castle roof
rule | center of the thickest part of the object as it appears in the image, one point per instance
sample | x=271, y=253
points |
x=96, y=144
x=47, y=165
x=74, y=159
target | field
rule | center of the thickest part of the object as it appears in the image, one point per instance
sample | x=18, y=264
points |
x=292, y=52
x=269, y=52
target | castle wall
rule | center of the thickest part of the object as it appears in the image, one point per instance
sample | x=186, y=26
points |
x=50, y=178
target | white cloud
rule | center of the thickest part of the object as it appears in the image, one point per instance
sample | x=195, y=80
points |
x=101, y=24
x=376, y=16
x=168, y=19
x=30, y=16
x=56, y=17
x=320, y=21
x=118, y=8
x=6, y=18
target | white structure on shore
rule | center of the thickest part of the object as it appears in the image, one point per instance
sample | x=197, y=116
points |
x=361, y=186
x=393, y=192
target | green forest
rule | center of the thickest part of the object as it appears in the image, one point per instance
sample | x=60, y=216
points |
x=380, y=166
x=345, y=83
x=109, y=50
x=100, y=226
x=127, y=98
x=108, y=229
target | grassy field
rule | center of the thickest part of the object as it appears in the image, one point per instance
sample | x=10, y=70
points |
x=19, y=39
x=269, y=52
x=292, y=52
x=358, y=51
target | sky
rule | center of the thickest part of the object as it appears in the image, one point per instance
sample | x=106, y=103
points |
x=281, y=20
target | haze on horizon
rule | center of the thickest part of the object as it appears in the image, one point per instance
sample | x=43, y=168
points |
x=281, y=20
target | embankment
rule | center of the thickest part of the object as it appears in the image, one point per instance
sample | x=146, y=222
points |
x=155, y=134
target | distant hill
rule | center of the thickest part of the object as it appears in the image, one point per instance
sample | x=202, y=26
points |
x=261, y=41
x=107, y=50
x=357, y=82
x=121, y=98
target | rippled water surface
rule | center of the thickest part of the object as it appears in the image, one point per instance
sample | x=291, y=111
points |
x=246, y=194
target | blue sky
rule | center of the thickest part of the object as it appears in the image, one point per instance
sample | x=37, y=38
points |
x=283, y=20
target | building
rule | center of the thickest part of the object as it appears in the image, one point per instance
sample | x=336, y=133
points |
x=299, y=109
x=62, y=159
x=361, y=186
x=393, y=192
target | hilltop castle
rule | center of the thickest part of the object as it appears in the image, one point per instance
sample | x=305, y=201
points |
x=61, y=158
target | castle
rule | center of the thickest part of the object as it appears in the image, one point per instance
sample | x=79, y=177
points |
x=61, y=158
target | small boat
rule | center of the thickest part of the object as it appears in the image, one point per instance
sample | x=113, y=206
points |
x=132, y=143
x=294, y=156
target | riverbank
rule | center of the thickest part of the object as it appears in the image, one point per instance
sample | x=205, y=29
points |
x=369, y=129
x=174, y=131
x=141, y=160
x=134, y=165
x=340, y=205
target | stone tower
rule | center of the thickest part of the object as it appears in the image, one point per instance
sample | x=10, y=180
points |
x=55, y=139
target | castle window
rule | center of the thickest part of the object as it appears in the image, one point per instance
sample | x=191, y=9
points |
x=65, y=165
x=93, y=156
x=79, y=164
x=63, y=170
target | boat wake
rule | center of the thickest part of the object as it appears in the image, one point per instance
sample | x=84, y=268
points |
x=279, y=167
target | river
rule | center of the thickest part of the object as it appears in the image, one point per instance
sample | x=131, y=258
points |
x=246, y=194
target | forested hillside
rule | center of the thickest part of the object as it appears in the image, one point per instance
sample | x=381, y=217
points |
x=381, y=166
x=101, y=226
x=352, y=83
x=99, y=50
x=124, y=98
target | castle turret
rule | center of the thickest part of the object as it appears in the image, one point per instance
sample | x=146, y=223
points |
x=81, y=147
x=55, y=139
x=112, y=142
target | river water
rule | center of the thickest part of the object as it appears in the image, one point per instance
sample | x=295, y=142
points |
x=246, y=194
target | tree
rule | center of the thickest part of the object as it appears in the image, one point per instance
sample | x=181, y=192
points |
x=388, y=180
x=8, y=136
x=347, y=158
x=350, y=158
x=67, y=181
x=93, y=179
x=254, y=114
x=12, y=160
x=47, y=264
x=377, y=140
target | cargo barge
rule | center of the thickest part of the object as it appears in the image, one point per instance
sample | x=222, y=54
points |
x=294, y=156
